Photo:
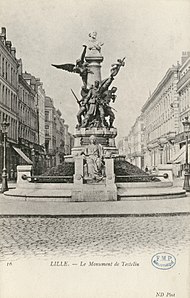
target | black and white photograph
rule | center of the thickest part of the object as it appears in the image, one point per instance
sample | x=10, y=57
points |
x=94, y=148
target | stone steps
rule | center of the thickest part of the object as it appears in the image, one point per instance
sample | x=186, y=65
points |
x=131, y=194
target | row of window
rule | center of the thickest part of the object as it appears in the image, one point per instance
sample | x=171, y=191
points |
x=184, y=99
x=185, y=71
x=27, y=133
x=26, y=97
x=153, y=158
x=13, y=125
x=27, y=115
x=161, y=130
x=15, y=130
x=164, y=104
x=7, y=71
x=8, y=98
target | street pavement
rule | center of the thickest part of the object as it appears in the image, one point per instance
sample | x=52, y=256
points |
x=33, y=207
x=37, y=229
x=28, y=237
x=19, y=206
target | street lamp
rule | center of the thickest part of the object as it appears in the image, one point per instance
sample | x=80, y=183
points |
x=4, y=127
x=186, y=125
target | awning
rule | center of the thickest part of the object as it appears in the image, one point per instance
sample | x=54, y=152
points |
x=180, y=156
x=23, y=155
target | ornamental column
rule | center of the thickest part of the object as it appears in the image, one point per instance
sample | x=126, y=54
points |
x=94, y=58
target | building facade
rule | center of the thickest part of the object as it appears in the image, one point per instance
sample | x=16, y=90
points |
x=132, y=145
x=123, y=147
x=50, y=132
x=161, y=121
x=158, y=137
x=60, y=138
x=9, y=101
x=36, y=130
x=183, y=90
x=41, y=112
x=135, y=143
x=28, y=122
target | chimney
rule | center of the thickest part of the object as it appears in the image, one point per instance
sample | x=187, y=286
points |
x=185, y=56
x=8, y=44
x=3, y=31
x=13, y=52
x=3, y=34
x=20, y=67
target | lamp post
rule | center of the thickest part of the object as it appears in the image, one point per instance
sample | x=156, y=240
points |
x=186, y=125
x=4, y=127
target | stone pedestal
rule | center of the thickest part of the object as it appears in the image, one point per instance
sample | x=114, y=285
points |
x=165, y=169
x=95, y=68
x=104, y=190
x=104, y=136
x=77, y=194
x=110, y=180
x=23, y=170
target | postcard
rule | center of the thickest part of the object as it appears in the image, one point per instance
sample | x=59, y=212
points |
x=94, y=149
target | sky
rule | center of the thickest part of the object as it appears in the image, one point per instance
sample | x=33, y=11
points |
x=151, y=34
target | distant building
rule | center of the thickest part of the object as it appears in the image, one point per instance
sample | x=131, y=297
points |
x=160, y=124
x=135, y=143
x=37, y=133
x=71, y=142
x=161, y=121
x=132, y=145
x=28, y=118
x=123, y=146
x=183, y=90
x=60, y=138
x=67, y=140
x=8, y=101
x=50, y=132
x=41, y=112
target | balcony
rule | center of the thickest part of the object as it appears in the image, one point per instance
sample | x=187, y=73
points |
x=181, y=137
x=170, y=136
x=162, y=140
x=150, y=146
x=137, y=154
x=183, y=79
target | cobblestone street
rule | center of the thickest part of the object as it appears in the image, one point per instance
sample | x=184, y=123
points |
x=26, y=237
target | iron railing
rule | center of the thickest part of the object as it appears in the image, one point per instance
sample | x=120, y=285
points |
x=140, y=178
x=48, y=179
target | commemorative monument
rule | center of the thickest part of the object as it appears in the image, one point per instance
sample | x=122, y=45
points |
x=95, y=112
x=95, y=116
x=98, y=172
x=95, y=134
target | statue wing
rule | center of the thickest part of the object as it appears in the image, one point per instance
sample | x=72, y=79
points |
x=68, y=67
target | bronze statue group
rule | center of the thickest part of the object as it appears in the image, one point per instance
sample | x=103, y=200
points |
x=94, y=105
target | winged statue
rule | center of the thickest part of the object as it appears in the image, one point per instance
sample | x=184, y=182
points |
x=68, y=67
x=81, y=67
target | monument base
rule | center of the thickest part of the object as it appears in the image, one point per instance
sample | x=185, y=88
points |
x=94, y=193
x=104, y=136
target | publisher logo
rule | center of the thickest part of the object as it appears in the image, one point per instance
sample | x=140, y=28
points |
x=163, y=261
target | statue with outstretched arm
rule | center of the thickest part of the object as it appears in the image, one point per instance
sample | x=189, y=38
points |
x=116, y=66
x=80, y=67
